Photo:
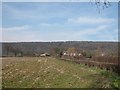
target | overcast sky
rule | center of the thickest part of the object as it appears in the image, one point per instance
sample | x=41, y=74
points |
x=65, y=21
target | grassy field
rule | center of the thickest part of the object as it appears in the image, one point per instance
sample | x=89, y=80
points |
x=48, y=72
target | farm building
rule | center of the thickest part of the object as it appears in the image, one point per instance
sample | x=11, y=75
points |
x=44, y=54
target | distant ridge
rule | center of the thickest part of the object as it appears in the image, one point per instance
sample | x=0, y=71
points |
x=41, y=47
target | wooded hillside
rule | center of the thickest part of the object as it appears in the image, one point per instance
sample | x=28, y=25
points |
x=31, y=48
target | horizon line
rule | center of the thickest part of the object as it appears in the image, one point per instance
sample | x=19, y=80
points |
x=50, y=41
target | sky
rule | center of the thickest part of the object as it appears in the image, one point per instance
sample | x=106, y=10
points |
x=60, y=21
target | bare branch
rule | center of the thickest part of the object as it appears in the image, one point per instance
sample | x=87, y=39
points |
x=101, y=5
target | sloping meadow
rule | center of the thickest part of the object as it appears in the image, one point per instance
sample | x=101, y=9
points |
x=48, y=72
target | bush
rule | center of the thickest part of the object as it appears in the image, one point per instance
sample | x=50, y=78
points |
x=114, y=78
x=88, y=55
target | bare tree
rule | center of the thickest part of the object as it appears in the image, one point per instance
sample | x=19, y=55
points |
x=101, y=4
x=8, y=48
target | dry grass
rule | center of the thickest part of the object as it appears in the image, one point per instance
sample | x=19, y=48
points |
x=48, y=72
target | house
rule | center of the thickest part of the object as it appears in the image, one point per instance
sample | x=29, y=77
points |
x=44, y=54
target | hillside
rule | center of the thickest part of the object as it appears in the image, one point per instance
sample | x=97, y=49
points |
x=30, y=48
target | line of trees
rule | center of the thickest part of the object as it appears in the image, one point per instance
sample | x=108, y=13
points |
x=13, y=50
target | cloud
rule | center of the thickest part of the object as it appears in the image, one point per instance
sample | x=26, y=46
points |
x=32, y=11
x=56, y=21
x=90, y=34
x=82, y=34
x=107, y=35
x=45, y=24
x=20, y=36
x=101, y=32
x=90, y=20
x=92, y=30
x=19, y=14
x=25, y=27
